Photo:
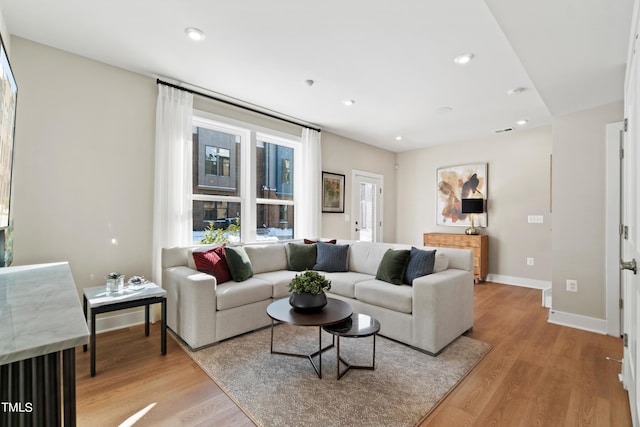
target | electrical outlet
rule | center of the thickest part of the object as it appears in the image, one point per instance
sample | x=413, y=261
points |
x=572, y=285
x=529, y=261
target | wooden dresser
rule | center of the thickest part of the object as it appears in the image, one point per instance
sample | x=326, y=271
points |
x=478, y=243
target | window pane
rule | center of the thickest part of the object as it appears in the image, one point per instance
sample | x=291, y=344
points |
x=216, y=162
x=275, y=222
x=275, y=171
x=216, y=222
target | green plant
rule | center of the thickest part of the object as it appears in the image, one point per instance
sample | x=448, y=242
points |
x=213, y=235
x=309, y=281
x=114, y=276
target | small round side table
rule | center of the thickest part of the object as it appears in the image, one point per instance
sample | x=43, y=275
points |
x=356, y=326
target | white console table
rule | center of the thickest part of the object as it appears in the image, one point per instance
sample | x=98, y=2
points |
x=41, y=322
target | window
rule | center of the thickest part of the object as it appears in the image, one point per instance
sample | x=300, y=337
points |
x=227, y=162
x=217, y=161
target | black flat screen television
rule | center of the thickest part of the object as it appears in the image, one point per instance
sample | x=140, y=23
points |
x=8, y=102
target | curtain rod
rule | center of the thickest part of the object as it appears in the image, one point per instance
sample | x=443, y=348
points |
x=224, y=101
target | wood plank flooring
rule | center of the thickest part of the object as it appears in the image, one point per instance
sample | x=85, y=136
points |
x=537, y=374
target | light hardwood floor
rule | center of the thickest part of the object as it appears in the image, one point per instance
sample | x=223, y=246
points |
x=537, y=374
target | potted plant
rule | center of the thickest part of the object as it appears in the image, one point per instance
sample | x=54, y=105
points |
x=307, y=291
x=115, y=282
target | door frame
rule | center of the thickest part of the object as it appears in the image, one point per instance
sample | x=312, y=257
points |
x=355, y=202
x=613, y=222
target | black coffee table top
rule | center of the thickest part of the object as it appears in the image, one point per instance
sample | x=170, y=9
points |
x=334, y=312
x=358, y=325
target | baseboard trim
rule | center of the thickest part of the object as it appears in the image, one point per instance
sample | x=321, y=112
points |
x=577, y=321
x=519, y=281
x=547, y=297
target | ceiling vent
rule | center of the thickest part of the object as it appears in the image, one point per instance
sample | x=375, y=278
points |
x=503, y=130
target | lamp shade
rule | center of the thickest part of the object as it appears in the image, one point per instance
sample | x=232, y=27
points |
x=472, y=206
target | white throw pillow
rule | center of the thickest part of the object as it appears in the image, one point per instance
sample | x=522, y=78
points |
x=442, y=262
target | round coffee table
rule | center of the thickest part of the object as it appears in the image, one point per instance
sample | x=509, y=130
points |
x=334, y=312
x=356, y=326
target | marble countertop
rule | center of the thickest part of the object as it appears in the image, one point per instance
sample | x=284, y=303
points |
x=40, y=312
x=98, y=295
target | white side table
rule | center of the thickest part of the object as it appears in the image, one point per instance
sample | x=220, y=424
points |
x=100, y=301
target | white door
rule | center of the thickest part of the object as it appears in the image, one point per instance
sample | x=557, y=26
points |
x=631, y=236
x=366, y=205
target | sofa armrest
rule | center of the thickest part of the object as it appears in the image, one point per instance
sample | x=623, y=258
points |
x=442, y=308
x=191, y=303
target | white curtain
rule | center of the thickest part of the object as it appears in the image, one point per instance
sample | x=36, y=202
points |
x=172, y=202
x=309, y=193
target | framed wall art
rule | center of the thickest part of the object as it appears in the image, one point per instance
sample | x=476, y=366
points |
x=455, y=183
x=332, y=192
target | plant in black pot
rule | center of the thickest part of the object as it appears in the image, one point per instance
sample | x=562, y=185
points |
x=307, y=292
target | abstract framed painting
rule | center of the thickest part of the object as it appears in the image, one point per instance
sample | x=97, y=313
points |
x=332, y=192
x=455, y=183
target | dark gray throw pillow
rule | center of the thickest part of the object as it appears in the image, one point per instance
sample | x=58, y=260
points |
x=239, y=263
x=392, y=266
x=331, y=258
x=301, y=257
x=420, y=264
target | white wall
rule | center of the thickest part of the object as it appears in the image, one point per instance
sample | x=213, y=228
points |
x=518, y=186
x=84, y=155
x=342, y=155
x=579, y=209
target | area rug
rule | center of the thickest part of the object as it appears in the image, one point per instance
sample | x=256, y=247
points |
x=277, y=390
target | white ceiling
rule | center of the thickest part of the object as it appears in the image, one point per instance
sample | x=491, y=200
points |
x=394, y=58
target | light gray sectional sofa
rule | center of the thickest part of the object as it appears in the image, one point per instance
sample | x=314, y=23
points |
x=428, y=315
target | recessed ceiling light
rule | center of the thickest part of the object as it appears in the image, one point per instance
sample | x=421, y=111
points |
x=522, y=122
x=444, y=110
x=463, y=59
x=348, y=102
x=195, y=33
x=516, y=91
x=399, y=138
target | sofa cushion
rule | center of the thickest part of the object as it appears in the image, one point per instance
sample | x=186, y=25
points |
x=393, y=265
x=420, y=264
x=383, y=294
x=279, y=280
x=344, y=283
x=300, y=256
x=230, y=294
x=213, y=262
x=331, y=257
x=365, y=257
x=441, y=263
x=271, y=257
x=239, y=263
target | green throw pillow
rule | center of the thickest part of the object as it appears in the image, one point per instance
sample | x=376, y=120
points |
x=301, y=257
x=393, y=265
x=239, y=263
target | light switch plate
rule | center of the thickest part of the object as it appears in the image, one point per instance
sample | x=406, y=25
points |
x=536, y=219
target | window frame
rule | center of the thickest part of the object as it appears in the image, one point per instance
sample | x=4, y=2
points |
x=250, y=135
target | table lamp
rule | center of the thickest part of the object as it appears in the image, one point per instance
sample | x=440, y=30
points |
x=472, y=207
